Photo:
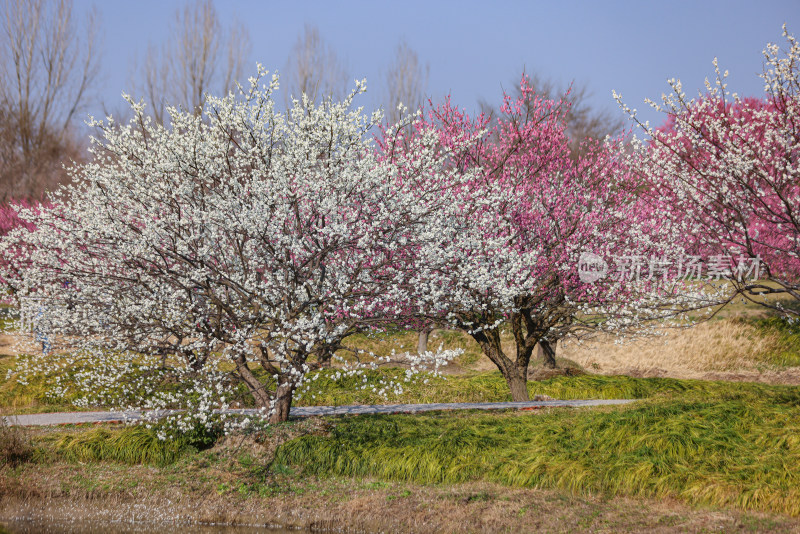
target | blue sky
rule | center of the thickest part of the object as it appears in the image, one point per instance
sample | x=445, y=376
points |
x=475, y=48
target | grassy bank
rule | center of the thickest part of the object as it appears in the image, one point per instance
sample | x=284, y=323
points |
x=786, y=348
x=693, y=455
x=720, y=444
x=735, y=453
x=557, y=471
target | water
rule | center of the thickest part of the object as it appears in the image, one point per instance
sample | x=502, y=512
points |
x=95, y=527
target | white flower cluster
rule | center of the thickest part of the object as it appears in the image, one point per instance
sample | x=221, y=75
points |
x=226, y=252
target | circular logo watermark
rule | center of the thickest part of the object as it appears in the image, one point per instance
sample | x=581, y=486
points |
x=591, y=267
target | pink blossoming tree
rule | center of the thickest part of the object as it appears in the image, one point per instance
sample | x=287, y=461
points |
x=13, y=256
x=727, y=170
x=510, y=251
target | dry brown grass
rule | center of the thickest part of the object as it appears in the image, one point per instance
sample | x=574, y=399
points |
x=722, y=349
x=15, y=445
x=9, y=345
x=82, y=493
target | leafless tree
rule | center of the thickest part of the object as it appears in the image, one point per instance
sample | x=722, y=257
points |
x=313, y=69
x=47, y=66
x=201, y=57
x=406, y=81
x=583, y=119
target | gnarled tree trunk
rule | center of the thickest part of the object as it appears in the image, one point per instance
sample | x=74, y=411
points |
x=548, y=353
x=254, y=385
x=518, y=384
x=514, y=372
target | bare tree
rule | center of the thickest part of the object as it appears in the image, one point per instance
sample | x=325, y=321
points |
x=406, y=81
x=583, y=120
x=201, y=57
x=48, y=65
x=313, y=69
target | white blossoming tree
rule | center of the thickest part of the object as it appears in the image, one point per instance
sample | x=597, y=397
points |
x=233, y=249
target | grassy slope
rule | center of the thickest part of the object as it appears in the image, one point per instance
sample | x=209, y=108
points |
x=786, y=351
x=226, y=486
x=741, y=453
x=716, y=443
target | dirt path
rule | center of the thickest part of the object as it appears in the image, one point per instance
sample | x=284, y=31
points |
x=65, y=418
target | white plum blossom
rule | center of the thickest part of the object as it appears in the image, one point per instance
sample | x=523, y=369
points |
x=230, y=251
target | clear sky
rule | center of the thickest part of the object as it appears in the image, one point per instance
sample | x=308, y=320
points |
x=474, y=48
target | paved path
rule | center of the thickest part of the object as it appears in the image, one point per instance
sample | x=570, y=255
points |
x=308, y=411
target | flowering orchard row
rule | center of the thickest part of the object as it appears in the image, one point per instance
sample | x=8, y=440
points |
x=241, y=248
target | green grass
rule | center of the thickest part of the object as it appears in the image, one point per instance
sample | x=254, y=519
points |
x=7, y=324
x=787, y=352
x=132, y=445
x=491, y=387
x=743, y=452
x=33, y=396
x=703, y=442
x=59, y=390
x=347, y=390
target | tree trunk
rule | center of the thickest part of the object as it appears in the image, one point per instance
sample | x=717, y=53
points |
x=422, y=342
x=254, y=385
x=515, y=373
x=548, y=352
x=325, y=358
x=283, y=401
x=518, y=384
